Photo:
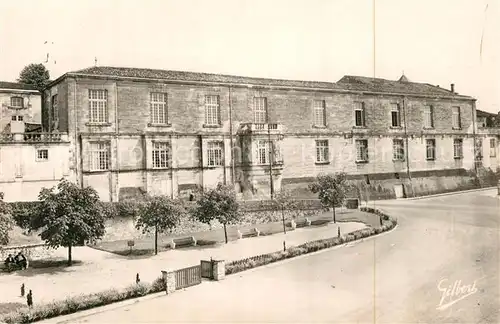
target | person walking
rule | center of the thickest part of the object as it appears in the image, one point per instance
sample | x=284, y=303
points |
x=29, y=299
x=22, y=290
x=137, y=279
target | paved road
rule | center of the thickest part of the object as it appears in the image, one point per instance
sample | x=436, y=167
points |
x=393, y=278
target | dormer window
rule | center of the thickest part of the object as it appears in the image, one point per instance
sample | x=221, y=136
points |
x=17, y=102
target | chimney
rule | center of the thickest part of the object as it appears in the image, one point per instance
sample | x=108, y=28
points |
x=452, y=87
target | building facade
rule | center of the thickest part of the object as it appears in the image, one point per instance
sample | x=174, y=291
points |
x=30, y=159
x=167, y=132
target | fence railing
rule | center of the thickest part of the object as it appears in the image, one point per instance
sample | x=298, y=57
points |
x=187, y=277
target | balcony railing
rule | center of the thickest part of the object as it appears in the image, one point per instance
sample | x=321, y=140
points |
x=262, y=127
x=33, y=137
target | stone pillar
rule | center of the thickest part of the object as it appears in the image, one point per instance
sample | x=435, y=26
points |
x=219, y=269
x=169, y=278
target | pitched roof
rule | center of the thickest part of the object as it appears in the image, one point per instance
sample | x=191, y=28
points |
x=16, y=86
x=403, y=86
x=196, y=76
x=481, y=113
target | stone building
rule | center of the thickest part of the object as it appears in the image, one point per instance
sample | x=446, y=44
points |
x=29, y=158
x=166, y=132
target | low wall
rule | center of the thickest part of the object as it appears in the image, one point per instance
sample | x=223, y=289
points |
x=32, y=252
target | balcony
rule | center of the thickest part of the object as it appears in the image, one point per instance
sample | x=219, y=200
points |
x=33, y=137
x=257, y=128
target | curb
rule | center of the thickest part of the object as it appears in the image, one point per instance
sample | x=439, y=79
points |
x=451, y=193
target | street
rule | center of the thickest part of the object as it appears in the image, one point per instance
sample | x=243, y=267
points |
x=440, y=265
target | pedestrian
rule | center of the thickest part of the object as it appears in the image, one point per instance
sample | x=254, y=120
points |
x=29, y=299
x=22, y=290
x=137, y=279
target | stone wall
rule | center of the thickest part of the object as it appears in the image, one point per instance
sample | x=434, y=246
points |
x=32, y=252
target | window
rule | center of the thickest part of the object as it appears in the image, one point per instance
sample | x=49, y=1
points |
x=161, y=155
x=456, y=122
x=99, y=156
x=214, y=153
x=479, y=148
x=322, y=155
x=493, y=148
x=262, y=152
x=42, y=155
x=430, y=149
x=396, y=115
x=98, y=100
x=319, y=113
x=260, y=110
x=159, y=114
x=359, y=114
x=17, y=102
x=212, y=113
x=428, y=117
x=18, y=118
x=398, y=150
x=361, y=150
x=458, y=148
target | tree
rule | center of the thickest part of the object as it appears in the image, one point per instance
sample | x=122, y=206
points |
x=283, y=201
x=331, y=189
x=220, y=204
x=6, y=222
x=160, y=213
x=68, y=216
x=34, y=74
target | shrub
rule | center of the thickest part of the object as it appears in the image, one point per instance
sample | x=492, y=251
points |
x=23, y=211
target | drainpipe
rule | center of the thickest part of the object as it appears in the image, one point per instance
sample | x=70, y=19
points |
x=474, y=135
x=271, y=153
x=407, y=150
x=78, y=141
x=233, y=177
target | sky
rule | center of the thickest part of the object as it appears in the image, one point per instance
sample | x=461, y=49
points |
x=433, y=41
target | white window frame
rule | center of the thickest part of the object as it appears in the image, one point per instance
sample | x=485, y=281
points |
x=215, y=153
x=260, y=110
x=456, y=117
x=359, y=106
x=98, y=106
x=159, y=108
x=398, y=149
x=100, y=156
x=262, y=152
x=319, y=113
x=161, y=154
x=493, y=147
x=396, y=109
x=430, y=149
x=212, y=110
x=458, y=148
x=15, y=104
x=322, y=151
x=42, y=155
x=428, y=116
x=362, y=150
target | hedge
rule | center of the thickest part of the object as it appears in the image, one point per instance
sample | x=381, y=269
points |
x=313, y=246
x=83, y=302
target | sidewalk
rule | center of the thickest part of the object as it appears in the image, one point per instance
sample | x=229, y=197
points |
x=102, y=270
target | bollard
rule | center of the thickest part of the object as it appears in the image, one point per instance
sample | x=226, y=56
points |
x=338, y=231
x=284, y=246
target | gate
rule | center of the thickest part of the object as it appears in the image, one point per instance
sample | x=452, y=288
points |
x=187, y=277
x=207, y=269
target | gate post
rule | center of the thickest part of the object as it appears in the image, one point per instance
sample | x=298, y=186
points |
x=218, y=269
x=169, y=279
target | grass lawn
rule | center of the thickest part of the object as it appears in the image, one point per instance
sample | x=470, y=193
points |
x=145, y=246
x=6, y=308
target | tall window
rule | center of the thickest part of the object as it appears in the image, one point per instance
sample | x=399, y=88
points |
x=159, y=113
x=161, y=155
x=322, y=151
x=214, y=153
x=478, y=142
x=54, y=112
x=456, y=122
x=430, y=149
x=42, y=155
x=398, y=150
x=212, y=113
x=260, y=110
x=493, y=148
x=362, y=150
x=99, y=156
x=359, y=114
x=458, y=148
x=98, y=101
x=17, y=102
x=319, y=113
x=428, y=117
x=262, y=152
x=395, y=115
